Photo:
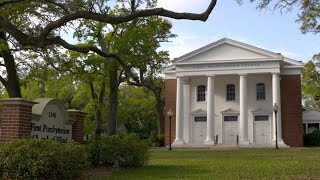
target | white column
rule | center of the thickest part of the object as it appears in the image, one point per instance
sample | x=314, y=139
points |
x=276, y=98
x=306, y=124
x=186, y=110
x=179, y=112
x=210, y=111
x=243, y=140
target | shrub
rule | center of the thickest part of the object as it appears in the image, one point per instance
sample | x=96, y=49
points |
x=44, y=159
x=161, y=140
x=153, y=139
x=312, y=139
x=156, y=140
x=112, y=150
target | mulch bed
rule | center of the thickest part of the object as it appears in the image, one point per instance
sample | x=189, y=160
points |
x=96, y=172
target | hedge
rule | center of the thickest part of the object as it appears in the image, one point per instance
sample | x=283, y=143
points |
x=312, y=139
x=41, y=159
x=122, y=150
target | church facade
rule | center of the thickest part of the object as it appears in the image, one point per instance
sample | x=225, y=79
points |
x=223, y=94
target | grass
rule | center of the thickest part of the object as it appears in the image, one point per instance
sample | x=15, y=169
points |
x=228, y=164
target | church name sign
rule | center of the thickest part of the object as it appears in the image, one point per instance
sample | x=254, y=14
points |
x=235, y=65
x=51, y=121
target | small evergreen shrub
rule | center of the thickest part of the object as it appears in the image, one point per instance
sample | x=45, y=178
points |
x=156, y=140
x=153, y=139
x=161, y=140
x=312, y=139
x=122, y=150
x=41, y=159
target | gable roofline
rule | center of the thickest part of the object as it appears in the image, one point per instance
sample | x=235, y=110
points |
x=230, y=111
x=199, y=111
x=293, y=62
x=261, y=111
x=228, y=41
x=168, y=68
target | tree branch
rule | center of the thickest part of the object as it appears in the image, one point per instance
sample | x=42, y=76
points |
x=119, y=19
x=5, y=2
x=58, y=4
x=120, y=76
x=3, y=81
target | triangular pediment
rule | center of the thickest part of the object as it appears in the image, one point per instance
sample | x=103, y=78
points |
x=230, y=111
x=260, y=111
x=199, y=111
x=226, y=50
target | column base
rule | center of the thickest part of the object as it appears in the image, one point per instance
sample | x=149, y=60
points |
x=281, y=143
x=209, y=142
x=244, y=142
x=178, y=142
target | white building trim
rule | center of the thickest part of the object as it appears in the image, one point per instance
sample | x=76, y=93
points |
x=215, y=65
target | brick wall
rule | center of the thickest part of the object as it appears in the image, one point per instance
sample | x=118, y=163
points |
x=291, y=111
x=170, y=98
x=77, y=127
x=15, y=119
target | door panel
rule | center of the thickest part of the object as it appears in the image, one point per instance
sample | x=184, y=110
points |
x=262, y=132
x=230, y=132
x=199, y=132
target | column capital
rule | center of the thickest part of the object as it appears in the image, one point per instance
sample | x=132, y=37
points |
x=275, y=73
x=243, y=74
x=183, y=79
x=211, y=76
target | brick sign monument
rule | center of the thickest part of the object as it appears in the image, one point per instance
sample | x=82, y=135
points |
x=50, y=120
x=44, y=118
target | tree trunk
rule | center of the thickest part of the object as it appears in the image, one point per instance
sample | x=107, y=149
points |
x=113, y=91
x=160, y=102
x=113, y=98
x=160, y=111
x=98, y=123
x=12, y=83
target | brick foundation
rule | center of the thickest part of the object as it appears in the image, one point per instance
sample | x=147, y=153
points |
x=77, y=127
x=291, y=111
x=170, y=97
x=15, y=119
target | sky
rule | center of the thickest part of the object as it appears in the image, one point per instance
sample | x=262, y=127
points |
x=269, y=30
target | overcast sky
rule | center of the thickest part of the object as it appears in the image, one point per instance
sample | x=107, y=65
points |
x=268, y=30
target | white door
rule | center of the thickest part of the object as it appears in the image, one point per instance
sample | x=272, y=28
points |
x=230, y=130
x=199, y=130
x=262, y=130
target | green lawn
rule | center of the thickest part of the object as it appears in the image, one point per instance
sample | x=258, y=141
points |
x=228, y=164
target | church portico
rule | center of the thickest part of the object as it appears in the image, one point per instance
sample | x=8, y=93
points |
x=228, y=102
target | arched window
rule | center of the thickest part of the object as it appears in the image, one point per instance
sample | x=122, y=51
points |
x=201, y=93
x=261, y=93
x=231, y=92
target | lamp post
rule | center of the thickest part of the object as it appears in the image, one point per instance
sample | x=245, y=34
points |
x=170, y=113
x=275, y=110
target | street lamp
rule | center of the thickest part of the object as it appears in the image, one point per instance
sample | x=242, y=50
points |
x=275, y=110
x=170, y=113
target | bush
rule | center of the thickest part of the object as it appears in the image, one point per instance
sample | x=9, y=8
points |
x=156, y=140
x=312, y=139
x=122, y=150
x=161, y=140
x=44, y=159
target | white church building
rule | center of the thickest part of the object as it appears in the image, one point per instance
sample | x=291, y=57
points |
x=223, y=94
